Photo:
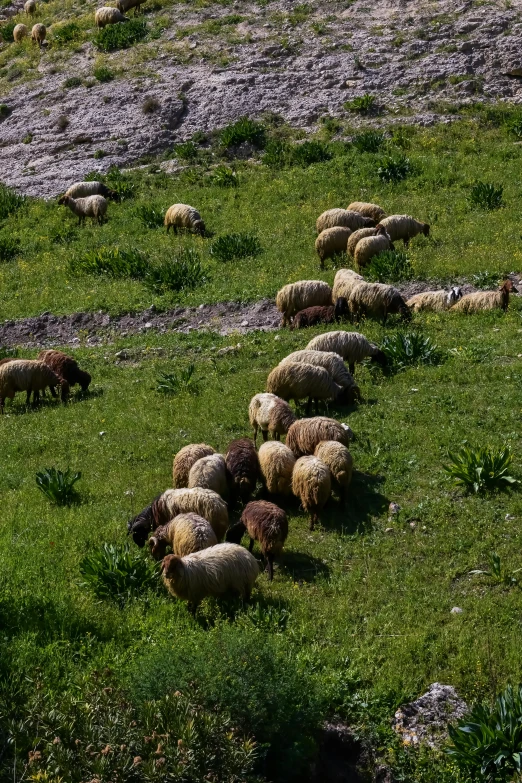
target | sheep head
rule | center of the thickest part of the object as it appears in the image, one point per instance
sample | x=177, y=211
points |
x=199, y=227
x=171, y=566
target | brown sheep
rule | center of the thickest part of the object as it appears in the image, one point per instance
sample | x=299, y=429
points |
x=265, y=522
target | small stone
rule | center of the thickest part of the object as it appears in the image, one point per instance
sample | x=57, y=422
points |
x=122, y=355
x=509, y=518
x=102, y=433
x=201, y=306
x=496, y=329
x=414, y=390
x=129, y=492
x=393, y=508
x=244, y=323
x=413, y=525
x=277, y=337
x=389, y=530
x=457, y=610
x=148, y=325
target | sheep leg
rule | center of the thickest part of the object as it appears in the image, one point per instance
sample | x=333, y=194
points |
x=317, y=406
x=321, y=260
x=270, y=566
x=309, y=406
x=313, y=520
x=251, y=545
x=264, y=433
x=277, y=435
x=2, y=405
x=351, y=367
x=385, y=317
x=53, y=391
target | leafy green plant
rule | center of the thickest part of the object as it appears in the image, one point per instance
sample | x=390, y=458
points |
x=150, y=215
x=477, y=354
x=64, y=33
x=224, y=177
x=150, y=105
x=394, y=169
x=487, y=743
x=231, y=246
x=103, y=74
x=115, y=179
x=363, y=104
x=177, y=382
x=6, y=31
x=406, y=349
x=9, y=248
x=243, y=130
x=115, y=572
x=497, y=572
x=310, y=152
x=113, y=262
x=390, y=266
x=481, y=469
x=369, y=141
x=186, y=151
x=183, y=272
x=5, y=111
x=485, y=195
x=72, y=81
x=486, y=280
x=120, y=36
x=10, y=201
x=99, y=154
x=277, y=153
x=8, y=353
x=58, y=486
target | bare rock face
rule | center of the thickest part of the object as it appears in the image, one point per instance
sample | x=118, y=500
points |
x=425, y=720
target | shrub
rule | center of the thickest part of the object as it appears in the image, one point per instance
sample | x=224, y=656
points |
x=487, y=280
x=64, y=33
x=121, y=183
x=231, y=246
x=10, y=201
x=103, y=74
x=362, y=105
x=407, y=349
x=150, y=216
x=9, y=248
x=394, y=169
x=514, y=127
x=120, y=36
x=114, y=572
x=10, y=353
x=310, y=152
x=369, y=141
x=485, y=195
x=6, y=31
x=58, y=486
x=224, y=177
x=113, y=262
x=63, y=235
x=481, y=469
x=243, y=130
x=277, y=153
x=72, y=81
x=62, y=122
x=390, y=266
x=181, y=273
x=186, y=151
x=182, y=381
x=150, y=105
x=99, y=154
x=5, y=111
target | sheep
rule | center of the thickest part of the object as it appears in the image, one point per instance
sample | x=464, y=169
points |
x=204, y=502
x=65, y=367
x=276, y=463
x=298, y=380
x=210, y=473
x=304, y=434
x=368, y=247
x=269, y=413
x=435, y=301
x=366, y=209
x=30, y=7
x=331, y=362
x=20, y=32
x=485, y=300
x=342, y=217
x=242, y=466
x=94, y=188
x=94, y=207
x=331, y=241
x=377, y=300
x=321, y=315
x=212, y=572
x=351, y=346
x=186, y=533
x=362, y=233
x=30, y=376
x=339, y=461
x=38, y=34
x=107, y=15
x=301, y=294
x=183, y=216
x=126, y=5
x=404, y=227
x=312, y=484
x=265, y=522
x=344, y=282
x=185, y=459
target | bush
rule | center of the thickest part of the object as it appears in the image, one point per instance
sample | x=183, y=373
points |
x=9, y=248
x=277, y=153
x=64, y=33
x=485, y=195
x=186, y=151
x=391, y=266
x=150, y=105
x=58, y=486
x=243, y=130
x=362, y=105
x=6, y=31
x=481, y=469
x=10, y=353
x=103, y=74
x=310, y=152
x=62, y=122
x=394, y=169
x=10, y=201
x=175, y=383
x=150, y=216
x=121, y=183
x=231, y=246
x=114, y=572
x=181, y=273
x=120, y=36
x=72, y=81
x=487, y=280
x=409, y=349
x=369, y=141
x=224, y=177
x=5, y=111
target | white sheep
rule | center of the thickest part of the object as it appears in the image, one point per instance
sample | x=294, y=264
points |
x=29, y=375
x=210, y=473
x=404, y=227
x=30, y=7
x=186, y=533
x=185, y=459
x=485, y=300
x=304, y=434
x=20, y=32
x=342, y=217
x=351, y=346
x=93, y=188
x=184, y=216
x=367, y=209
x=126, y=5
x=331, y=241
x=107, y=15
x=339, y=461
x=434, y=301
x=94, y=207
x=356, y=237
x=38, y=34
x=330, y=361
x=368, y=247
x=270, y=414
x=312, y=484
x=300, y=295
x=377, y=300
x=297, y=381
x=344, y=281
x=276, y=462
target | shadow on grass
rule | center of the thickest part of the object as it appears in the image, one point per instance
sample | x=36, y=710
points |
x=363, y=503
x=302, y=567
x=261, y=610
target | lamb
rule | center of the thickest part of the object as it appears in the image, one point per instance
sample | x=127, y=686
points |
x=356, y=237
x=186, y=533
x=321, y=315
x=300, y=295
x=312, y=484
x=331, y=241
x=485, y=300
x=276, y=463
x=435, y=301
x=126, y=5
x=368, y=247
x=185, y=459
x=183, y=216
x=404, y=227
x=20, y=31
x=30, y=376
x=204, y=502
x=345, y=281
x=265, y=522
x=331, y=362
x=339, y=461
x=351, y=346
x=107, y=15
x=94, y=188
x=210, y=473
x=269, y=413
x=94, y=207
x=297, y=380
x=213, y=572
x=65, y=367
x=377, y=300
x=304, y=435
x=243, y=467
x=38, y=34
x=373, y=211
x=342, y=217
x=30, y=7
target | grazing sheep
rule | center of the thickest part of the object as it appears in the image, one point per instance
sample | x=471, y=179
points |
x=404, y=227
x=126, y=5
x=210, y=473
x=331, y=241
x=321, y=315
x=377, y=300
x=186, y=533
x=243, y=467
x=368, y=247
x=297, y=381
x=30, y=7
x=276, y=463
x=339, y=461
x=183, y=216
x=366, y=209
x=212, y=572
x=345, y=281
x=7, y=359
x=185, y=459
x=94, y=207
x=351, y=346
x=65, y=367
x=304, y=434
x=435, y=301
x=356, y=237
x=107, y=15
x=20, y=32
x=300, y=295
x=204, y=502
x=312, y=484
x=28, y=375
x=94, y=188
x=342, y=217
x=331, y=362
x=485, y=300
x=265, y=522
x=269, y=413
x=38, y=34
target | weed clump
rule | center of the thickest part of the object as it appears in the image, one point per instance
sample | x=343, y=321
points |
x=224, y=177
x=10, y=201
x=391, y=266
x=485, y=195
x=369, y=141
x=394, y=170
x=65, y=33
x=114, y=572
x=243, y=130
x=481, y=469
x=231, y=246
x=9, y=248
x=364, y=104
x=409, y=349
x=177, y=382
x=120, y=36
x=103, y=74
x=150, y=216
x=58, y=486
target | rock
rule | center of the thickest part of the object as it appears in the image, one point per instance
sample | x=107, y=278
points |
x=424, y=721
x=457, y=610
